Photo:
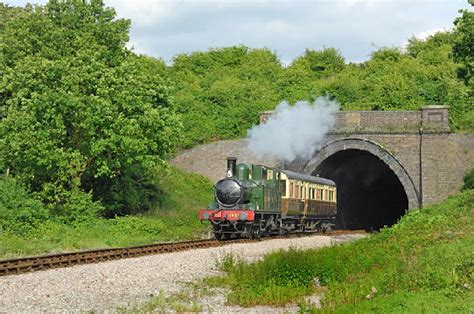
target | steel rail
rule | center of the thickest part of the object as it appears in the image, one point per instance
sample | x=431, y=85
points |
x=67, y=259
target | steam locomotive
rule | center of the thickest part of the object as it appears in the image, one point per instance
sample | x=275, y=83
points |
x=254, y=201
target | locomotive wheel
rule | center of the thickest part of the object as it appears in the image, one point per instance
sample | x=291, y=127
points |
x=220, y=236
x=256, y=233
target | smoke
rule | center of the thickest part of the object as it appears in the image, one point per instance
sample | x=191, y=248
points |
x=293, y=131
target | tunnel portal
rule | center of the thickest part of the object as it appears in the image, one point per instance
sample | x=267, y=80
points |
x=370, y=195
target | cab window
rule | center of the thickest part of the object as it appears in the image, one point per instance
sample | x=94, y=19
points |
x=283, y=188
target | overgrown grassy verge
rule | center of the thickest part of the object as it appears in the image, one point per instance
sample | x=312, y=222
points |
x=423, y=263
x=174, y=218
x=180, y=302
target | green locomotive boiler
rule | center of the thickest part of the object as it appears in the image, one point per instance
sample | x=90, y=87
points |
x=254, y=200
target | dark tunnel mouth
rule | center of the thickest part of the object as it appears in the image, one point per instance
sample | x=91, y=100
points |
x=369, y=194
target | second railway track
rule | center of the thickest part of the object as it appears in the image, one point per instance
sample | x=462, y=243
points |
x=58, y=260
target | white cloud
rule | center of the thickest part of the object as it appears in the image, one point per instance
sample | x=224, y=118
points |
x=424, y=35
x=164, y=28
x=143, y=13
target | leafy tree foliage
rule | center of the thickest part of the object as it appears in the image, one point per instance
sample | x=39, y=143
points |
x=79, y=108
x=395, y=80
x=220, y=92
x=7, y=13
x=321, y=63
x=463, y=49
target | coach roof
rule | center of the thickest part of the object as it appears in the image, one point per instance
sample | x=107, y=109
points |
x=305, y=177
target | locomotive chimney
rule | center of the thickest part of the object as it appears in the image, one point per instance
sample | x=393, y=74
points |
x=231, y=166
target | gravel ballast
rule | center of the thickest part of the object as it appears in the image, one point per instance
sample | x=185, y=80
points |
x=130, y=282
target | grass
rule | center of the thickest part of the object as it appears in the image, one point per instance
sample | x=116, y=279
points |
x=425, y=263
x=180, y=302
x=188, y=300
x=176, y=218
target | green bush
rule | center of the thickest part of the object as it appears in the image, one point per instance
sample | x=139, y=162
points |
x=468, y=180
x=134, y=191
x=19, y=211
x=76, y=206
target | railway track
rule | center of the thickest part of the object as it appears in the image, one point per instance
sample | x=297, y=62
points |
x=59, y=260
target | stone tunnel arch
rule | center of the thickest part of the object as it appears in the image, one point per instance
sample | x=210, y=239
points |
x=374, y=189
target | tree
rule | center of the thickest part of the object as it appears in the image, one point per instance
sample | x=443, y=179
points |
x=78, y=107
x=463, y=49
x=7, y=13
x=321, y=63
x=220, y=92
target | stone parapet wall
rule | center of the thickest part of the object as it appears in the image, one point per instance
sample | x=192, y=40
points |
x=379, y=121
x=433, y=118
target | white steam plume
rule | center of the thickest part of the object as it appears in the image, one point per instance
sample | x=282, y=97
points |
x=293, y=131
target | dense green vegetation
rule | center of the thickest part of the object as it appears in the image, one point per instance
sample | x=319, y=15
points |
x=27, y=228
x=220, y=93
x=422, y=264
x=87, y=125
x=79, y=112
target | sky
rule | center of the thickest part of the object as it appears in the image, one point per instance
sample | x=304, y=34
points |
x=165, y=28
